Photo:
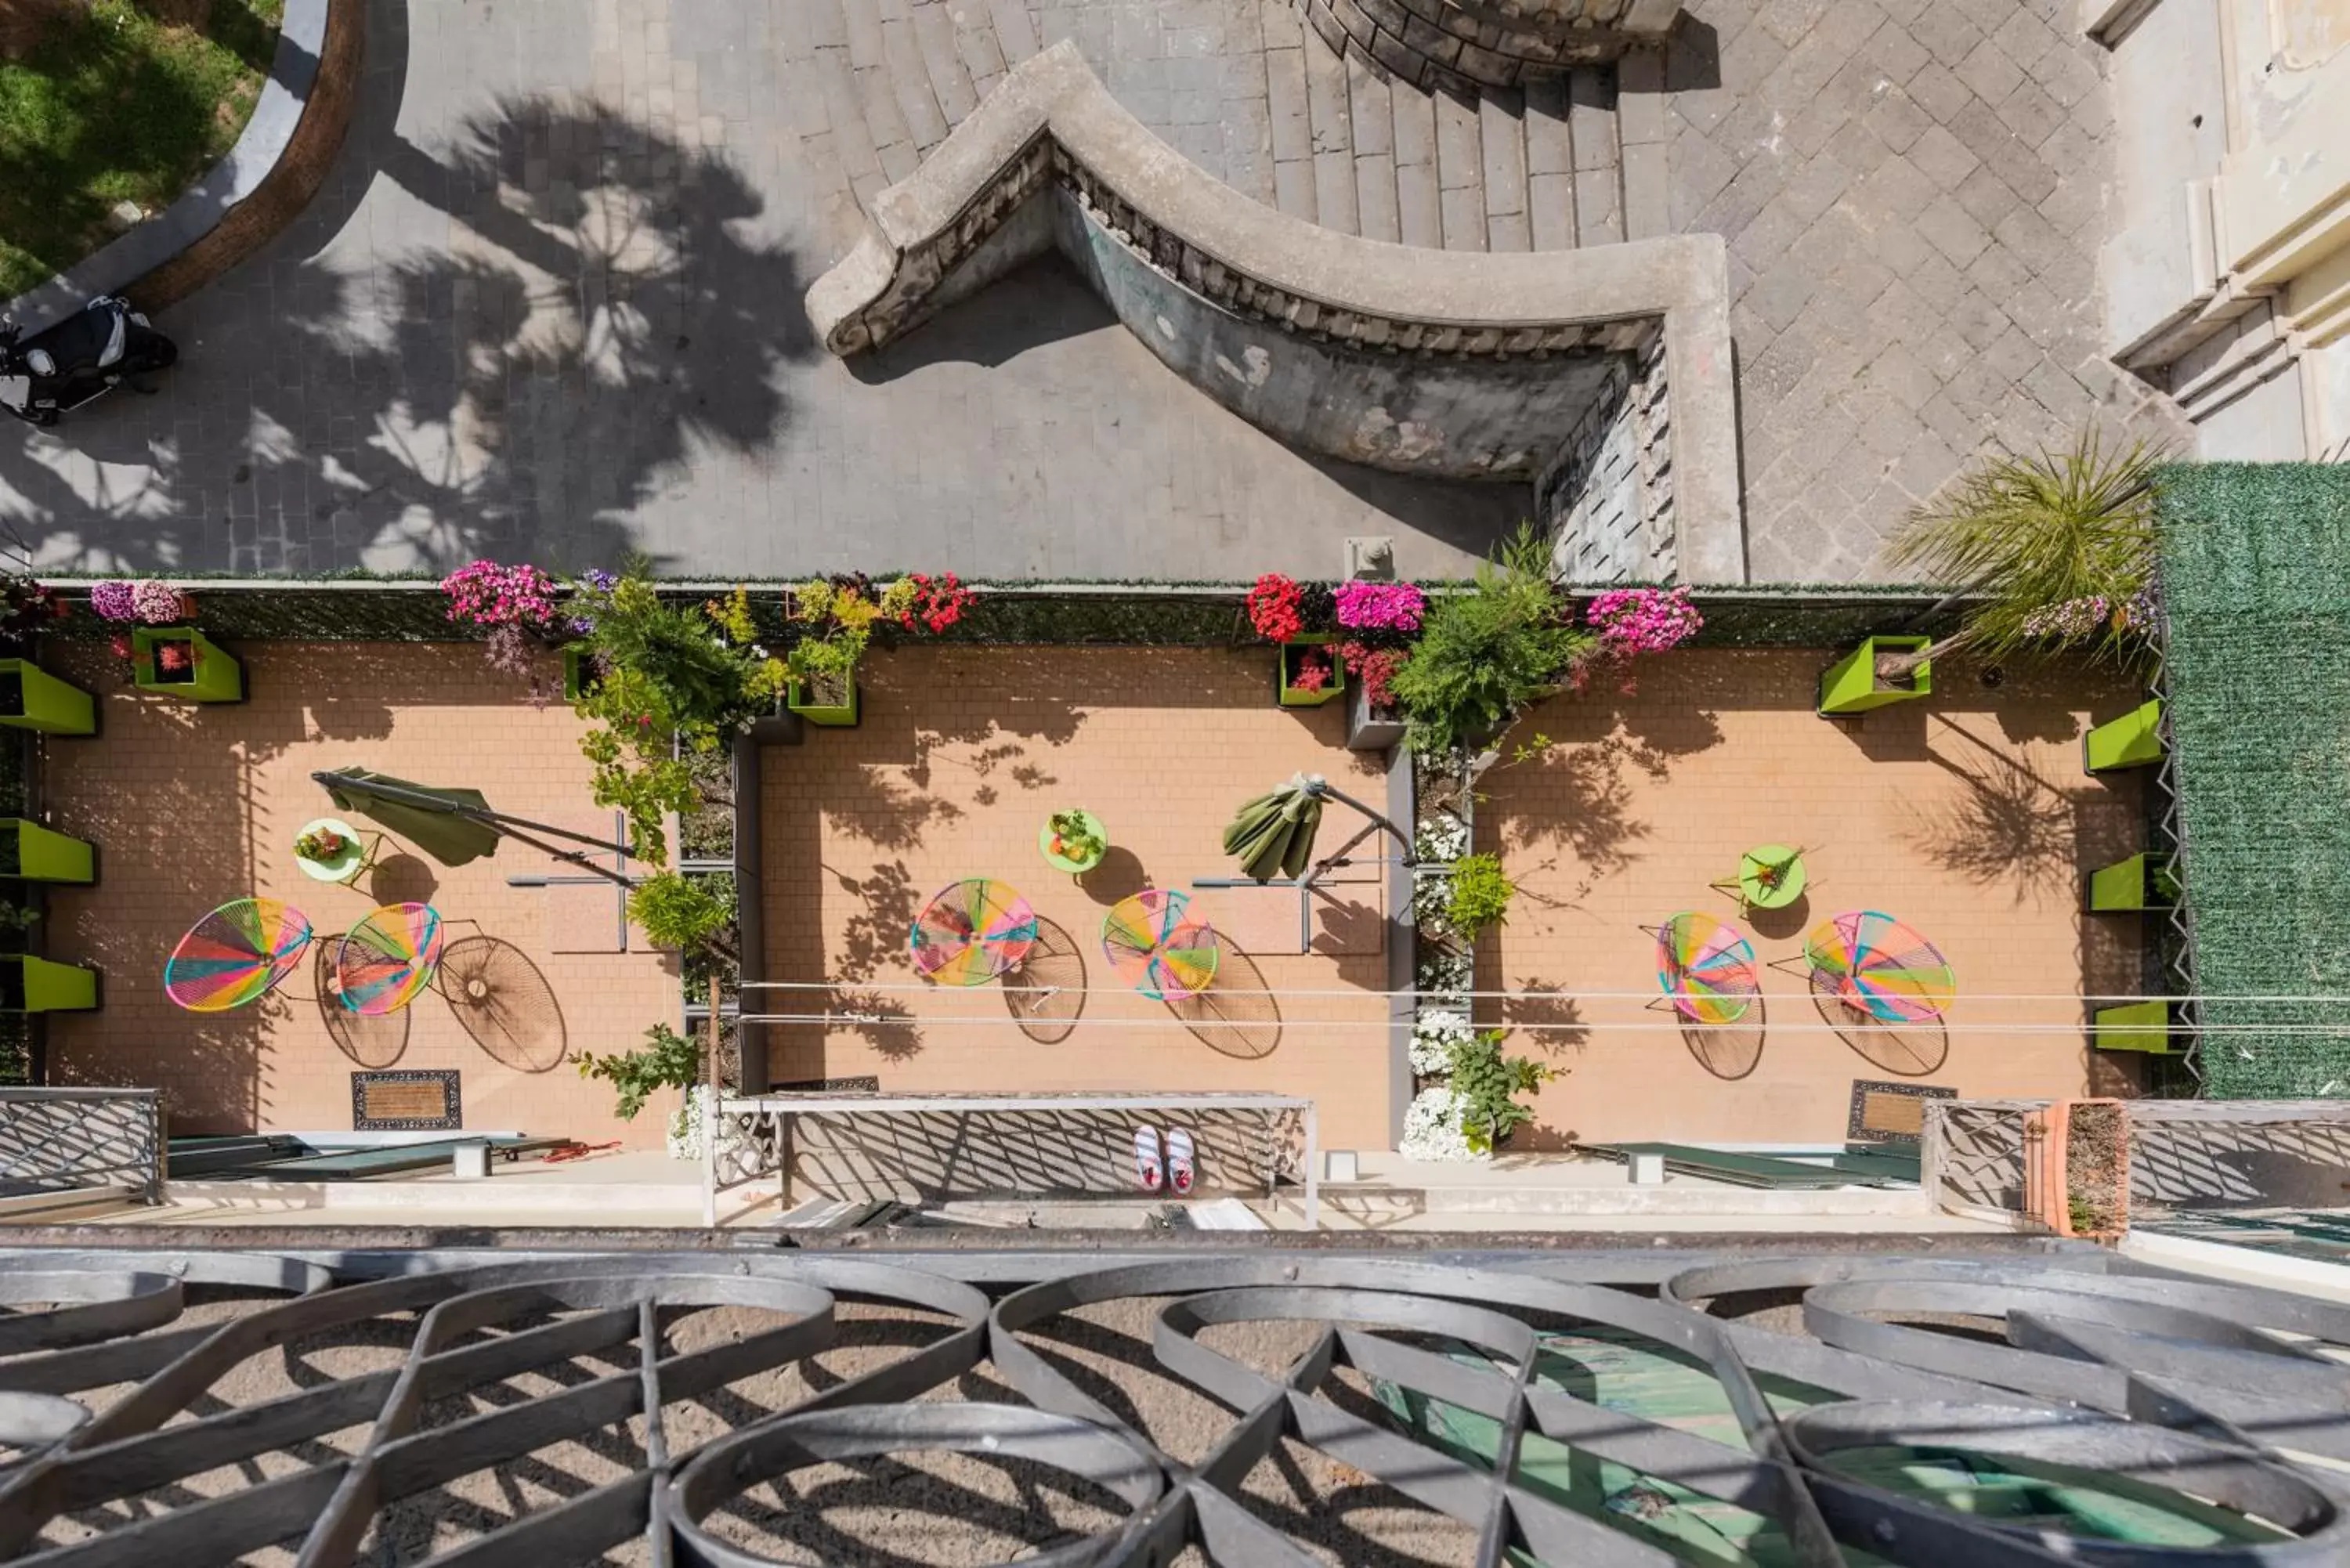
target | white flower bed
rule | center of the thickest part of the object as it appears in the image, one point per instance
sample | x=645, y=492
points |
x=1442, y=837
x=1433, y=1035
x=1431, y=1128
x=1444, y=979
x=1430, y=897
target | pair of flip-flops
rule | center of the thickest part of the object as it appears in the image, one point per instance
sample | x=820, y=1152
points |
x=1175, y=1173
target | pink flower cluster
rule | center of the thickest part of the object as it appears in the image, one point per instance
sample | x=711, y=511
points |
x=146, y=601
x=1381, y=606
x=486, y=594
x=2078, y=620
x=1643, y=620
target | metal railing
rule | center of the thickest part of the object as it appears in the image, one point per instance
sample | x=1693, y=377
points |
x=1064, y=1143
x=71, y=1140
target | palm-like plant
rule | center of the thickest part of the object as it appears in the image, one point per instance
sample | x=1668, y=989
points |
x=2029, y=537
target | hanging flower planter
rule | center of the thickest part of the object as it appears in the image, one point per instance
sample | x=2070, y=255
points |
x=2132, y=740
x=1311, y=672
x=181, y=661
x=35, y=854
x=29, y=984
x=1853, y=686
x=2141, y=882
x=33, y=699
x=825, y=700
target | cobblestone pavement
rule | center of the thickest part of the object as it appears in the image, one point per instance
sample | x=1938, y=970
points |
x=548, y=303
x=1913, y=192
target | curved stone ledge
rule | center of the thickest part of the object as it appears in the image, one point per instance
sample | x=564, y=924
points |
x=1353, y=347
x=268, y=176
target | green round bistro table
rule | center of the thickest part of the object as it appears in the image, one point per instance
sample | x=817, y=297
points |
x=343, y=867
x=1073, y=866
x=1771, y=877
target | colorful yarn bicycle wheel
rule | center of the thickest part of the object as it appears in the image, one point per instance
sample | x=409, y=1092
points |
x=972, y=931
x=387, y=959
x=235, y=954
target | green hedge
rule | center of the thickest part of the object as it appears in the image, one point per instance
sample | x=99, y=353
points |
x=1145, y=615
x=2256, y=589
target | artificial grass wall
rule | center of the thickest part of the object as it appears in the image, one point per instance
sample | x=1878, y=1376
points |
x=2256, y=591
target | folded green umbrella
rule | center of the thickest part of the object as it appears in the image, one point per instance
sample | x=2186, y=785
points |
x=446, y=823
x=1272, y=836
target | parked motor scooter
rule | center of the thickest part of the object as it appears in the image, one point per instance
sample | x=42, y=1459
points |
x=82, y=358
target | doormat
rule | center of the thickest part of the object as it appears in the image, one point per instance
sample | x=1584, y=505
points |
x=416, y=1100
x=868, y=1083
x=1890, y=1113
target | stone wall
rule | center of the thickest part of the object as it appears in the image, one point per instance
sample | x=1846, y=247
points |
x=1607, y=498
x=1443, y=416
x=1467, y=43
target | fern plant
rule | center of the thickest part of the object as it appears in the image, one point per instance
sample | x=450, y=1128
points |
x=1486, y=654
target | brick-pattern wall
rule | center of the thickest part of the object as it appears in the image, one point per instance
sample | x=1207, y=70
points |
x=1967, y=816
x=962, y=754
x=192, y=806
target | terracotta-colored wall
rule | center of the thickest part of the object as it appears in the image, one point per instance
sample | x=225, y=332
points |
x=1966, y=815
x=192, y=806
x=962, y=754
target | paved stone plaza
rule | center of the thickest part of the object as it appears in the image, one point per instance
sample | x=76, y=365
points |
x=548, y=304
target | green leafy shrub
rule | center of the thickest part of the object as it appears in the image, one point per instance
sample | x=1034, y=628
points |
x=1486, y=1085
x=1480, y=894
x=1486, y=654
x=675, y=681
x=678, y=911
x=670, y=1061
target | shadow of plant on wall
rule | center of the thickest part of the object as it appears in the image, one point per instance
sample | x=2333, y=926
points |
x=2009, y=826
x=596, y=315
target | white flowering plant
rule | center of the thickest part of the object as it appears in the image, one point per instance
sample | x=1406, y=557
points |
x=1444, y=978
x=1432, y=903
x=1433, y=1036
x=1431, y=1128
x=1442, y=837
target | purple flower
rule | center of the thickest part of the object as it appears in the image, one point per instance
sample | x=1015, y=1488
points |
x=113, y=600
x=601, y=581
x=1381, y=606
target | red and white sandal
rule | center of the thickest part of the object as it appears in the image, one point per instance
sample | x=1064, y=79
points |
x=1147, y=1167
x=1179, y=1173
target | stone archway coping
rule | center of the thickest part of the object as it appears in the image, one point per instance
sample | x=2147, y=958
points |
x=957, y=223
x=249, y=195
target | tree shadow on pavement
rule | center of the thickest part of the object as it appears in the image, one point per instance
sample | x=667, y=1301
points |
x=596, y=315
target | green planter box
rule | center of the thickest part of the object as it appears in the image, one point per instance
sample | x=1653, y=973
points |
x=29, y=984
x=35, y=854
x=2132, y=740
x=1291, y=695
x=578, y=677
x=2141, y=882
x=33, y=699
x=839, y=715
x=1850, y=684
x=214, y=676
x=2134, y=1026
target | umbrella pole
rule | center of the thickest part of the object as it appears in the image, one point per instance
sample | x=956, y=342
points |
x=1305, y=883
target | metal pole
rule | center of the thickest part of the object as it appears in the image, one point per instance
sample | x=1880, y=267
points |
x=1313, y=1169
x=709, y=1155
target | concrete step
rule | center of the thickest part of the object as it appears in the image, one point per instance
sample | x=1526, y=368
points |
x=1336, y=140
